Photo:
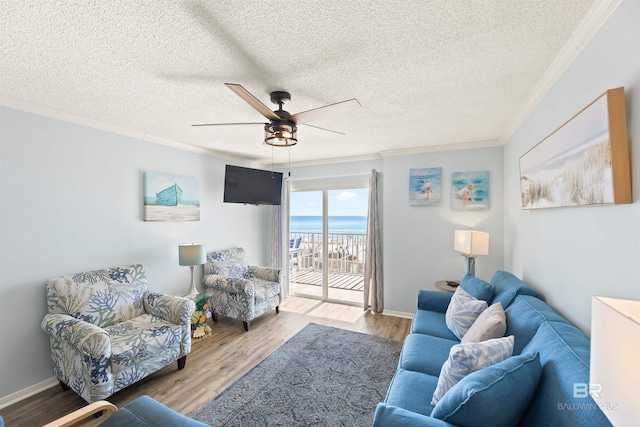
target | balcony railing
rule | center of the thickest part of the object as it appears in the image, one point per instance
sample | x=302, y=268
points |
x=346, y=252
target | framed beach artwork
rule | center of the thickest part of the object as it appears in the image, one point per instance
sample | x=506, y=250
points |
x=170, y=198
x=585, y=162
x=470, y=191
x=425, y=186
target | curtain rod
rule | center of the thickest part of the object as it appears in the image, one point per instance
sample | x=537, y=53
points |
x=331, y=176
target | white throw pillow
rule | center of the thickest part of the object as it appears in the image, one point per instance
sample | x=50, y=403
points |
x=492, y=323
x=470, y=357
x=462, y=311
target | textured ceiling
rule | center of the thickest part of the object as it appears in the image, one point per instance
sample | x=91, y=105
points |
x=427, y=73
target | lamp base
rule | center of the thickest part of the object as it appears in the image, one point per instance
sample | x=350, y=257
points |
x=471, y=264
x=193, y=292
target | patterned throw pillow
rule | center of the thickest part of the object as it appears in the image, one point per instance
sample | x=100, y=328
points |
x=470, y=357
x=492, y=323
x=462, y=311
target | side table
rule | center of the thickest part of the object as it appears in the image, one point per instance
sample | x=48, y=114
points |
x=444, y=286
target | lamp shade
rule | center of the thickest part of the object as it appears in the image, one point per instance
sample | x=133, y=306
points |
x=614, y=377
x=192, y=254
x=471, y=242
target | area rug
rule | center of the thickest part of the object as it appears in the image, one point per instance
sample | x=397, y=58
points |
x=323, y=376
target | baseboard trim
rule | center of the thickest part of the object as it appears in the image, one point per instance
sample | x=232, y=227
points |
x=398, y=314
x=27, y=392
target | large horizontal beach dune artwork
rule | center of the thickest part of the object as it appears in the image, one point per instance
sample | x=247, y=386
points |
x=585, y=162
x=170, y=198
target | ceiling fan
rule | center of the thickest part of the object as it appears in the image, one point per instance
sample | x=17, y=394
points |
x=282, y=127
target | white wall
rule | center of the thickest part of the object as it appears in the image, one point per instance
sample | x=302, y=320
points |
x=571, y=254
x=71, y=200
x=418, y=240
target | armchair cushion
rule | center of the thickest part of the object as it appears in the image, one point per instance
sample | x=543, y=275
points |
x=230, y=263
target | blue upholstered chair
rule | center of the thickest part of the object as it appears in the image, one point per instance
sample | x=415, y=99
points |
x=239, y=290
x=107, y=331
x=143, y=411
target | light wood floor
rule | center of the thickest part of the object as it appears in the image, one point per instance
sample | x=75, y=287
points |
x=215, y=362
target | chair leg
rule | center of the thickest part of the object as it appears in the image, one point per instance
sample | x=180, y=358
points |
x=181, y=362
x=214, y=316
x=277, y=309
x=246, y=325
x=63, y=386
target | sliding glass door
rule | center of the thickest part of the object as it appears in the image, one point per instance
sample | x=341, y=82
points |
x=327, y=243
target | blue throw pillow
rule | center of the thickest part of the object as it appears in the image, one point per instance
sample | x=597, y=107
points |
x=478, y=288
x=497, y=395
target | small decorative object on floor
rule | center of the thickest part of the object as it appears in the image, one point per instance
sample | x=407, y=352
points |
x=199, y=327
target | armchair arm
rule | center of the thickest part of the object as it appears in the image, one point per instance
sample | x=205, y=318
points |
x=434, y=300
x=389, y=415
x=265, y=273
x=83, y=413
x=83, y=336
x=177, y=310
x=228, y=285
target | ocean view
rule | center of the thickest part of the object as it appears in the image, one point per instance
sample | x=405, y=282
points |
x=337, y=224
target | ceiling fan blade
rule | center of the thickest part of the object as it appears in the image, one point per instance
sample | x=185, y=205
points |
x=322, y=112
x=228, y=124
x=334, y=132
x=253, y=101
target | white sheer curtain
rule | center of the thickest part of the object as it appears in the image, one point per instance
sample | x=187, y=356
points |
x=373, y=290
x=279, y=254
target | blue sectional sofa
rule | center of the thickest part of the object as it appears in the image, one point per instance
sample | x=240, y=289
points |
x=534, y=387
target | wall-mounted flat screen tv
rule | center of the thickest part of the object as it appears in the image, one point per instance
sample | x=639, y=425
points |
x=252, y=186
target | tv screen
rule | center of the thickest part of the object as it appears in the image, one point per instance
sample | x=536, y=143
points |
x=252, y=186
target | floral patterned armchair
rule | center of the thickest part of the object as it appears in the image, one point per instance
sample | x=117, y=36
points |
x=239, y=290
x=107, y=331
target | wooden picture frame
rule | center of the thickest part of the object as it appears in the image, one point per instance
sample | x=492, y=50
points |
x=585, y=162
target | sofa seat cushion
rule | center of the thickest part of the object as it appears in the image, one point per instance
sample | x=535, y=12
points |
x=264, y=289
x=425, y=353
x=463, y=311
x=470, y=357
x=143, y=338
x=508, y=287
x=564, y=356
x=411, y=390
x=474, y=401
x=524, y=316
x=431, y=323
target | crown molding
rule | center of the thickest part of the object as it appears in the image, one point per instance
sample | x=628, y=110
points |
x=589, y=26
x=443, y=147
x=327, y=161
x=64, y=116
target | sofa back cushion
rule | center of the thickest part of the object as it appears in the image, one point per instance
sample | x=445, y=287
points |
x=524, y=316
x=230, y=263
x=477, y=288
x=564, y=356
x=101, y=297
x=508, y=287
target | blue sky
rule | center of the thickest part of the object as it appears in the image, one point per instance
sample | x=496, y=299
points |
x=349, y=202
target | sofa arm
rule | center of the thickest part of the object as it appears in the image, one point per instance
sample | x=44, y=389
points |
x=434, y=301
x=177, y=310
x=85, y=337
x=388, y=415
x=265, y=273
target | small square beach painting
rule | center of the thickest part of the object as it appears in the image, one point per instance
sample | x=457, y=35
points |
x=170, y=198
x=425, y=186
x=470, y=191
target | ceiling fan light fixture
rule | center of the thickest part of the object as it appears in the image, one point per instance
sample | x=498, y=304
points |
x=280, y=134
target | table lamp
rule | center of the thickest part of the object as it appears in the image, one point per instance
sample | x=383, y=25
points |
x=471, y=243
x=192, y=254
x=614, y=373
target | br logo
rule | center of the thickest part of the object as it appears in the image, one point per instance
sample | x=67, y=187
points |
x=582, y=390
